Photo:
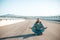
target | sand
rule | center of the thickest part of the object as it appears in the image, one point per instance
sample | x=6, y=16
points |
x=21, y=31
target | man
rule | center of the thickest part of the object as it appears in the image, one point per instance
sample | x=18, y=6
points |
x=38, y=27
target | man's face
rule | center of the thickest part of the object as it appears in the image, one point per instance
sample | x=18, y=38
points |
x=38, y=20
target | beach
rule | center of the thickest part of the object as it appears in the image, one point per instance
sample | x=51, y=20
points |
x=10, y=21
x=21, y=31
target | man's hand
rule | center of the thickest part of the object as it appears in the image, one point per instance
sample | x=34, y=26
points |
x=46, y=27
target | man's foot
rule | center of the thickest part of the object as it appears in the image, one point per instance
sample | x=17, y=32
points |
x=39, y=34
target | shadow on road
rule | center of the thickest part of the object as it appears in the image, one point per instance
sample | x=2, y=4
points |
x=24, y=36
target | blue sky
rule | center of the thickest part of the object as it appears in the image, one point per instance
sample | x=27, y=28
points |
x=30, y=7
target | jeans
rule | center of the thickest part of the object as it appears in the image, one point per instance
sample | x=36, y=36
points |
x=38, y=31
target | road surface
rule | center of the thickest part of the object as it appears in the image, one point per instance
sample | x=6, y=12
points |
x=21, y=31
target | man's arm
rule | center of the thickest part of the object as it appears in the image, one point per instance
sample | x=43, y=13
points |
x=43, y=26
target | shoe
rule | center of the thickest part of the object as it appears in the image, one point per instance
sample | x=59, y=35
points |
x=39, y=34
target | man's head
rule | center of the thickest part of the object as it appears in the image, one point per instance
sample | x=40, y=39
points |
x=38, y=19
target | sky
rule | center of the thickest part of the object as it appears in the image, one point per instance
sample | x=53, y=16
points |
x=30, y=7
